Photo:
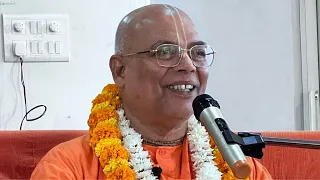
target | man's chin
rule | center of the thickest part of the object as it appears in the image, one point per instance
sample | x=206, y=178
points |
x=182, y=115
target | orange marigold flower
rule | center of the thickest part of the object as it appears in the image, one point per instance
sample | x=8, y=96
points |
x=101, y=98
x=90, y=132
x=212, y=143
x=101, y=115
x=116, y=102
x=228, y=176
x=221, y=163
x=123, y=172
x=224, y=168
x=111, y=88
x=104, y=130
x=113, y=152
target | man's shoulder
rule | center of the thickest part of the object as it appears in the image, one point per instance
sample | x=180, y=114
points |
x=73, y=148
x=73, y=159
x=78, y=141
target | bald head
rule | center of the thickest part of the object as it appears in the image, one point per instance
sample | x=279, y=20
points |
x=146, y=86
x=150, y=23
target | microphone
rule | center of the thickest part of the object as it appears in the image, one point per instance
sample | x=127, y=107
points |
x=157, y=172
x=207, y=111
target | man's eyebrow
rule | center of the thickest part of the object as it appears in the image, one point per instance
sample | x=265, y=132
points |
x=196, y=43
x=158, y=43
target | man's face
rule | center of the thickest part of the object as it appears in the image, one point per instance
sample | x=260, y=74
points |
x=155, y=91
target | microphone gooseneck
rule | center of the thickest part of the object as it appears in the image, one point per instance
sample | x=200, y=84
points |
x=207, y=111
x=289, y=142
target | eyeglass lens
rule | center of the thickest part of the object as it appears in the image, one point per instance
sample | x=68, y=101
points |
x=169, y=55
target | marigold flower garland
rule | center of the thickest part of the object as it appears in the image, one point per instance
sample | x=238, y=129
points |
x=119, y=147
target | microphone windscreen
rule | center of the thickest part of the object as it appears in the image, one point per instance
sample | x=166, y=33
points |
x=201, y=102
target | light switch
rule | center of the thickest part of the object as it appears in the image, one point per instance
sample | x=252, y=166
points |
x=40, y=47
x=45, y=37
x=39, y=27
x=33, y=27
x=51, y=47
x=33, y=47
x=58, y=47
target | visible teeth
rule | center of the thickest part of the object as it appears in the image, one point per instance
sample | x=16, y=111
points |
x=187, y=87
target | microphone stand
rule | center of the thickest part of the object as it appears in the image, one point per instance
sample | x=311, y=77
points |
x=252, y=143
x=298, y=143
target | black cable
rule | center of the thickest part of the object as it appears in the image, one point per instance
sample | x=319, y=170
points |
x=25, y=100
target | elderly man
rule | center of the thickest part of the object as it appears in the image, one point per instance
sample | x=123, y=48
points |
x=143, y=126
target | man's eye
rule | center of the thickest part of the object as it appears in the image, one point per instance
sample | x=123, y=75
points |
x=200, y=52
x=167, y=50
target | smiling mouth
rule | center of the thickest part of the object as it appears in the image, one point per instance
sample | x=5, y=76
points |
x=182, y=88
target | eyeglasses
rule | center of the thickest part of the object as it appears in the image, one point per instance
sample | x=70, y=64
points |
x=170, y=55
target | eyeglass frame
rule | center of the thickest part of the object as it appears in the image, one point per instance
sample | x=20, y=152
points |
x=180, y=56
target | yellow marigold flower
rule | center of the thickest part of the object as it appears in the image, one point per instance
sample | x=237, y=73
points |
x=113, y=121
x=123, y=172
x=104, y=129
x=108, y=123
x=113, y=152
x=101, y=115
x=102, y=105
x=104, y=143
x=114, y=164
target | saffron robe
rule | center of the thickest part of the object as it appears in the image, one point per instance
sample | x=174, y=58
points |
x=75, y=159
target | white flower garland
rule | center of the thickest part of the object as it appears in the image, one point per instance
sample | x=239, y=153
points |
x=198, y=138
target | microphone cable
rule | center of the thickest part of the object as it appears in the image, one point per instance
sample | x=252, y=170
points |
x=25, y=99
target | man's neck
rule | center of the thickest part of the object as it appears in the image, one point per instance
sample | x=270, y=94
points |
x=159, y=133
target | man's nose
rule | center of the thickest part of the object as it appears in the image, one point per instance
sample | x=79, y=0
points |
x=185, y=64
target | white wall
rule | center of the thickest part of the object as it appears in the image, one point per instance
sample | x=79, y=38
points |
x=256, y=77
x=65, y=88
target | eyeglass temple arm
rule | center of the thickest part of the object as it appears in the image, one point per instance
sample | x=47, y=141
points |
x=146, y=51
x=130, y=54
x=212, y=52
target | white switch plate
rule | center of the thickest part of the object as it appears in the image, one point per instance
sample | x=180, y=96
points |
x=43, y=35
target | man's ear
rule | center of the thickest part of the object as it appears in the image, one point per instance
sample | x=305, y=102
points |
x=117, y=67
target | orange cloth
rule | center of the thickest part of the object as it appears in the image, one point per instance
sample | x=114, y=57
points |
x=75, y=159
x=174, y=161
